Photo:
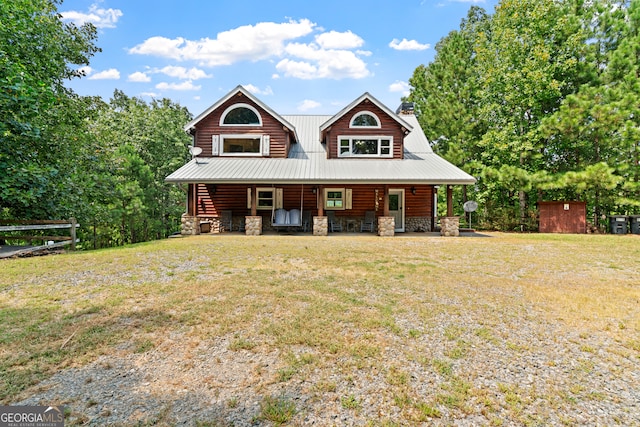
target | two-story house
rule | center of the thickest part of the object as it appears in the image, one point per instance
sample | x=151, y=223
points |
x=364, y=168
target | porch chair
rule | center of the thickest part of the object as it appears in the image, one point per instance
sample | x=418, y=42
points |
x=226, y=221
x=369, y=222
x=306, y=220
x=334, y=224
x=241, y=224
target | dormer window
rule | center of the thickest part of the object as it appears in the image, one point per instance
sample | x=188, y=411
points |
x=365, y=146
x=365, y=119
x=241, y=115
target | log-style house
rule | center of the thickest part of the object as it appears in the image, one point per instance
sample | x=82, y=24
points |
x=365, y=168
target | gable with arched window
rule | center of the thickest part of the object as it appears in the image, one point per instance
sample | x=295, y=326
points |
x=241, y=115
x=365, y=119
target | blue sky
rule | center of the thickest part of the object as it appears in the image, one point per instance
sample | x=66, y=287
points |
x=298, y=57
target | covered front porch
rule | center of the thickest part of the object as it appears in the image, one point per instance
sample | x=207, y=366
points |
x=316, y=208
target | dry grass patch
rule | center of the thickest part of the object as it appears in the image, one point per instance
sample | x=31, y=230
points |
x=421, y=316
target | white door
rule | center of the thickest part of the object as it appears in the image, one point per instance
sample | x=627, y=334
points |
x=396, y=208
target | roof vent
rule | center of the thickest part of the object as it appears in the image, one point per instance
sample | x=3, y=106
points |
x=405, y=108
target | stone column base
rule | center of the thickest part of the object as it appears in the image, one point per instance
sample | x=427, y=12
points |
x=253, y=225
x=320, y=226
x=450, y=226
x=190, y=225
x=386, y=226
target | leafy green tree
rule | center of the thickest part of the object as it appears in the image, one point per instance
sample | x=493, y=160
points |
x=38, y=54
x=445, y=92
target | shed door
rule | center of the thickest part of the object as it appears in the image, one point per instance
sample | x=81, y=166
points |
x=396, y=208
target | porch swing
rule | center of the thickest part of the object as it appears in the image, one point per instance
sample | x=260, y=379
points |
x=282, y=218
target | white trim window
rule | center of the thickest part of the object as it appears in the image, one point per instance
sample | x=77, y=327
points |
x=364, y=119
x=240, y=115
x=266, y=197
x=337, y=199
x=249, y=144
x=365, y=146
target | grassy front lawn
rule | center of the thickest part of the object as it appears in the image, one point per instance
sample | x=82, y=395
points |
x=341, y=309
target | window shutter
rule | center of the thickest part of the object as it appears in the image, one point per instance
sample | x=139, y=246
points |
x=215, y=145
x=266, y=145
x=278, y=198
x=248, y=198
x=348, y=194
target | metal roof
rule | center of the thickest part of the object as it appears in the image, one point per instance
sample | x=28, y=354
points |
x=308, y=163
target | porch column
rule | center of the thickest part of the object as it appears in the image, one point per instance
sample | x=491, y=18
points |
x=320, y=200
x=190, y=223
x=434, y=208
x=320, y=222
x=385, y=209
x=192, y=200
x=449, y=200
x=254, y=201
x=450, y=225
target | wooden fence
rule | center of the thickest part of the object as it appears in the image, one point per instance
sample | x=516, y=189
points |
x=12, y=230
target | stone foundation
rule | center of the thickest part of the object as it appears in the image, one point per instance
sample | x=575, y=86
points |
x=253, y=225
x=386, y=226
x=320, y=226
x=417, y=224
x=450, y=226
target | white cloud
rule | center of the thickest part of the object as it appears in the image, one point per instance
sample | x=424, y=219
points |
x=110, y=74
x=275, y=76
x=336, y=40
x=139, y=77
x=400, y=86
x=308, y=104
x=184, y=74
x=321, y=63
x=101, y=18
x=186, y=85
x=468, y=1
x=249, y=42
x=408, y=45
x=150, y=94
x=331, y=55
x=257, y=91
x=299, y=70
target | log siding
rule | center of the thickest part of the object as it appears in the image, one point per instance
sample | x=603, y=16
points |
x=280, y=138
x=389, y=127
x=213, y=199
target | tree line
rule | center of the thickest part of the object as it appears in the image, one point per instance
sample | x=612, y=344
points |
x=63, y=155
x=539, y=101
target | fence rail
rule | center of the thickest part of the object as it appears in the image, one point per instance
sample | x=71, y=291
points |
x=8, y=227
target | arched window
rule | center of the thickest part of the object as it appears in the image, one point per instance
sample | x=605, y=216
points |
x=240, y=115
x=365, y=119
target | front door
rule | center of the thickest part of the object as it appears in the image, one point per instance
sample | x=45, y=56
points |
x=396, y=208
